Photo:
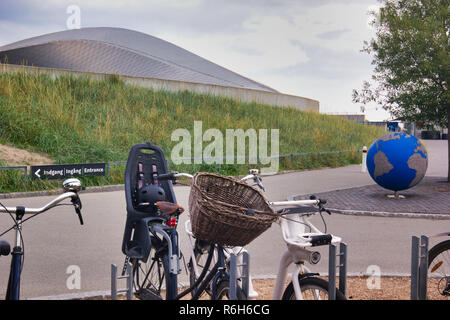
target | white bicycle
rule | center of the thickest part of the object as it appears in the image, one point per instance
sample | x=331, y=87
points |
x=294, y=221
x=304, y=284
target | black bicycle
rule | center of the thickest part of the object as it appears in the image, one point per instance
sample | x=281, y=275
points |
x=71, y=188
x=151, y=241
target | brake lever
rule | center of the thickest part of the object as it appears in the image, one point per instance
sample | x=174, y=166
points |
x=322, y=209
x=77, y=204
x=321, y=204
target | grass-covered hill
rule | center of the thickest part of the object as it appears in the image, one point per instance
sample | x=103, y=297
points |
x=79, y=120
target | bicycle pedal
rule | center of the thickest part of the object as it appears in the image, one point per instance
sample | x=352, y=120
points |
x=147, y=294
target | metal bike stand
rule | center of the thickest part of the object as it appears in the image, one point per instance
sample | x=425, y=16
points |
x=245, y=276
x=128, y=276
x=332, y=270
x=419, y=268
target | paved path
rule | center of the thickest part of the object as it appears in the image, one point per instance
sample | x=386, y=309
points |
x=55, y=241
x=429, y=199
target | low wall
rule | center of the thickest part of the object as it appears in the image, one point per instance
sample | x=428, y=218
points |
x=240, y=94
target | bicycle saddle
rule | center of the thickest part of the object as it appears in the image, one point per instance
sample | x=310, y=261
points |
x=169, y=208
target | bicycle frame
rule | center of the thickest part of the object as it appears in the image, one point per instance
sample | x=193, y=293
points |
x=215, y=276
x=238, y=251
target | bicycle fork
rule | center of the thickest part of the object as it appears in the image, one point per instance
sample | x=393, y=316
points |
x=221, y=274
x=286, y=260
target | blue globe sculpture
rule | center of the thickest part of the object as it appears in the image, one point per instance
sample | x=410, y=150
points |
x=397, y=161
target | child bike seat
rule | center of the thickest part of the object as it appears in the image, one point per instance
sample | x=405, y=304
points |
x=145, y=162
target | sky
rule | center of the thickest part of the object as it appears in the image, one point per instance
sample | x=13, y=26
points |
x=307, y=48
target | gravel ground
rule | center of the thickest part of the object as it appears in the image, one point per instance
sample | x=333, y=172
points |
x=388, y=288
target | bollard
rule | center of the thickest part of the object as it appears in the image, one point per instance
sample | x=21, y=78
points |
x=332, y=266
x=364, y=159
x=244, y=277
x=419, y=267
x=128, y=276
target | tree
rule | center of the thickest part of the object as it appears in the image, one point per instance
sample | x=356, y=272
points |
x=410, y=52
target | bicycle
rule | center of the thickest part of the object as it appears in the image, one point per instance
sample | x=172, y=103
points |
x=214, y=275
x=151, y=241
x=439, y=266
x=298, y=241
x=71, y=188
x=199, y=249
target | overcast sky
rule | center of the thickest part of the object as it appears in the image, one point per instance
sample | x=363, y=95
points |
x=308, y=48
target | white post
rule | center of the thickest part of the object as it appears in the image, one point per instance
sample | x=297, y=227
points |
x=364, y=159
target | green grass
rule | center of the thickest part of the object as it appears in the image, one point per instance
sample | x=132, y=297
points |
x=78, y=120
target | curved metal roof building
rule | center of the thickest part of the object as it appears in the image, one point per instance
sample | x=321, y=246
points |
x=124, y=52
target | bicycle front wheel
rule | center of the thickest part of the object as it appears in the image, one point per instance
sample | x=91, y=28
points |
x=223, y=291
x=312, y=288
x=201, y=249
x=439, y=269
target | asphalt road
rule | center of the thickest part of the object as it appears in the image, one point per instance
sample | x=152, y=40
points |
x=55, y=242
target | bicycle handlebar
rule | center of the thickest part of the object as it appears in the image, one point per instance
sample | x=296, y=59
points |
x=295, y=203
x=174, y=175
x=71, y=187
x=48, y=206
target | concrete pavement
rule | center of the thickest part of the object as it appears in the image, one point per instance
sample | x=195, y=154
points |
x=55, y=242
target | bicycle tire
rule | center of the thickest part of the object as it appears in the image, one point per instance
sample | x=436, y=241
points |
x=311, y=283
x=439, y=265
x=151, y=277
x=200, y=252
x=223, y=291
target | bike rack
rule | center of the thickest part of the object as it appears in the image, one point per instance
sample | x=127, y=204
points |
x=128, y=276
x=245, y=276
x=332, y=270
x=419, y=267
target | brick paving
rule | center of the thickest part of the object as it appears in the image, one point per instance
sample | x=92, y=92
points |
x=430, y=197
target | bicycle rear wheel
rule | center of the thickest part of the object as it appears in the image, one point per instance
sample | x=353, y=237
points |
x=312, y=288
x=439, y=269
x=152, y=279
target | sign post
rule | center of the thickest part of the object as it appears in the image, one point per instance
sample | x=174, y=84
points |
x=61, y=171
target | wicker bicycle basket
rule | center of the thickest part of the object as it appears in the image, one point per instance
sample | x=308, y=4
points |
x=227, y=211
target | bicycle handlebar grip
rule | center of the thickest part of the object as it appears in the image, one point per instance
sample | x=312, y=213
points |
x=5, y=248
x=167, y=176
